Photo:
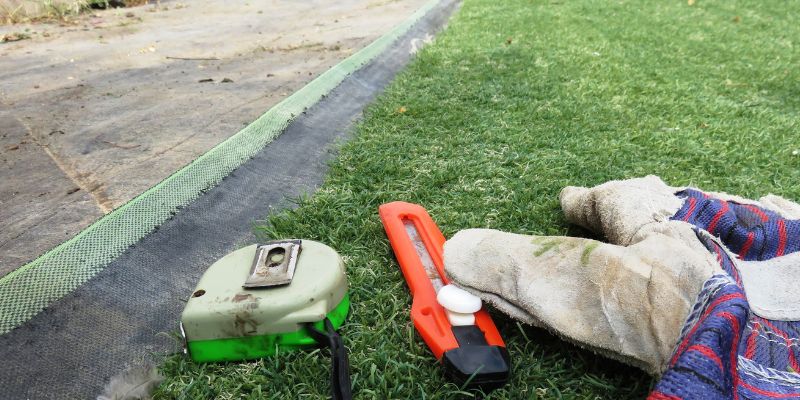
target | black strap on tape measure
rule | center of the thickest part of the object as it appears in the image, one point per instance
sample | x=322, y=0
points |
x=340, y=372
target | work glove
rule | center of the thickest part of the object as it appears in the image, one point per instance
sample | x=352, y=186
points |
x=666, y=294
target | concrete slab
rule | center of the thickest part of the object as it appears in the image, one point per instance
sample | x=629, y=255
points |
x=93, y=114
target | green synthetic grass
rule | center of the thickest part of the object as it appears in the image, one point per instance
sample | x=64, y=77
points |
x=515, y=100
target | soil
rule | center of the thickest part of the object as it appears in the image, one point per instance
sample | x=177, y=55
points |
x=95, y=112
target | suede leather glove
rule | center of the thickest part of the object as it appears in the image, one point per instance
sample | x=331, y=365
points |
x=672, y=265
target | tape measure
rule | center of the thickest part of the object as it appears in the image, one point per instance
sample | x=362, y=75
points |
x=262, y=299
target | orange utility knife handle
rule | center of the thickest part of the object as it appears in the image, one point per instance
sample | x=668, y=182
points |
x=428, y=315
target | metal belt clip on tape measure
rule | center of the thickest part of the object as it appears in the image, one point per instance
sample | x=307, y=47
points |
x=281, y=295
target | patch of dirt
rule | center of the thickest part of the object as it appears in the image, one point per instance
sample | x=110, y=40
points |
x=113, y=104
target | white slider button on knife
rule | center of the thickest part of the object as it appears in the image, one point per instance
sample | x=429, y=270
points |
x=459, y=319
x=458, y=300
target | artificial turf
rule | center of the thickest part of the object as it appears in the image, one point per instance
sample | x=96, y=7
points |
x=515, y=100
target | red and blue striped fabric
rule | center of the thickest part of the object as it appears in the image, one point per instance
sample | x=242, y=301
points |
x=725, y=351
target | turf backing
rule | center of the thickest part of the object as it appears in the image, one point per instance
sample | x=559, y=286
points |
x=514, y=101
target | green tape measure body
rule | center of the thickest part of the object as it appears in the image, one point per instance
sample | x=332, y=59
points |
x=251, y=347
x=224, y=321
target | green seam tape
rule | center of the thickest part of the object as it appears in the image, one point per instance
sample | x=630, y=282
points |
x=29, y=289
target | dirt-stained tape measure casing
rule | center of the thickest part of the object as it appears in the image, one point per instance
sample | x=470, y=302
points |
x=259, y=299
